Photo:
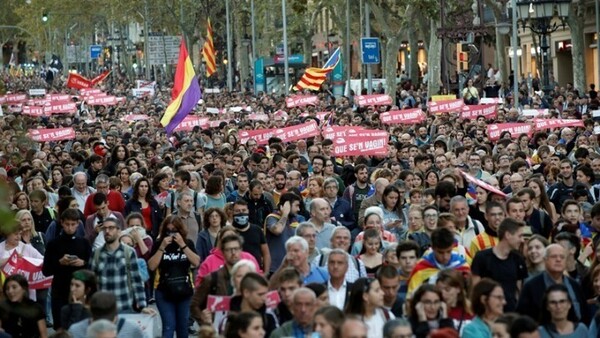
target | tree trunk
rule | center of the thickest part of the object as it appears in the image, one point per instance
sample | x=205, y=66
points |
x=307, y=49
x=391, y=62
x=501, y=57
x=434, y=59
x=413, y=66
x=576, y=22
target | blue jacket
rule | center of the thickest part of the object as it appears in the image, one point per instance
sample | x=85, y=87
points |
x=157, y=214
x=343, y=213
x=203, y=245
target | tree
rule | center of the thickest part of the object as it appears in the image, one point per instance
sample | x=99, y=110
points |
x=576, y=20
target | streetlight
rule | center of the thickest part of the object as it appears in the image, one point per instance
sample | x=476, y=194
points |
x=538, y=17
x=45, y=17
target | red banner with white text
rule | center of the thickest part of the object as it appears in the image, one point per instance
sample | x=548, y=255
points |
x=474, y=111
x=361, y=145
x=373, y=100
x=52, y=134
x=446, y=106
x=77, y=81
x=556, y=123
x=301, y=100
x=515, y=129
x=30, y=268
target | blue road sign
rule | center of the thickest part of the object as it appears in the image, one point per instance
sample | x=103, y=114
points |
x=95, y=51
x=369, y=48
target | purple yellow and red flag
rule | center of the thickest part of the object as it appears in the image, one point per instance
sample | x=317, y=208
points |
x=186, y=92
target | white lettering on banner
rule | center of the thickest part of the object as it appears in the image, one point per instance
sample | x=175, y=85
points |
x=301, y=100
x=446, y=106
x=515, y=129
x=409, y=116
x=374, y=100
x=15, y=98
x=470, y=112
x=554, y=123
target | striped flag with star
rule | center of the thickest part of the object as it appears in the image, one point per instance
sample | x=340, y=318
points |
x=314, y=77
x=208, y=51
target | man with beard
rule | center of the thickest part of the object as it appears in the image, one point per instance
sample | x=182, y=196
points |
x=280, y=226
x=118, y=271
x=318, y=162
x=254, y=238
x=475, y=167
x=280, y=183
x=539, y=220
x=359, y=190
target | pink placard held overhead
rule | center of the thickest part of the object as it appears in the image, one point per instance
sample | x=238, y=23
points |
x=360, y=145
x=52, y=134
x=474, y=111
x=446, y=106
x=515, y=129
x=301, y=100
x=408, y=116
x=373, y=100
x=556, y=123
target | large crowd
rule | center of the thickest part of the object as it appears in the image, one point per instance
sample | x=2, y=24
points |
x=245, y=240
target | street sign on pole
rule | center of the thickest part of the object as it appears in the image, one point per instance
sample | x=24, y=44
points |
x=95, y=51
x=369, y=48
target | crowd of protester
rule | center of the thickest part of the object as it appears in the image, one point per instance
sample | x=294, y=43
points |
x=128, y=219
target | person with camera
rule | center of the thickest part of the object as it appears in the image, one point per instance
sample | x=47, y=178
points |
x=173, y=259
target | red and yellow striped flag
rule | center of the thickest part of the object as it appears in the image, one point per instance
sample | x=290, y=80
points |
x=208, y=51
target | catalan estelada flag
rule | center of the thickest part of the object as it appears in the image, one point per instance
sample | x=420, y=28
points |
x=186, y=92
x=313, y=77
x=208, y=51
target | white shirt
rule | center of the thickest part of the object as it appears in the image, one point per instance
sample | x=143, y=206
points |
x=82, y=197
x=337, y=298
x=376, y=322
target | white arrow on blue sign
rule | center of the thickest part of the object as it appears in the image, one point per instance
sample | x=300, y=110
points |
x=369, y=48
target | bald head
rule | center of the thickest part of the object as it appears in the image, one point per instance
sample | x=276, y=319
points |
x=380, y=185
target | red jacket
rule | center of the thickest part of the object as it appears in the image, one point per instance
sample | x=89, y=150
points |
x=115, y=203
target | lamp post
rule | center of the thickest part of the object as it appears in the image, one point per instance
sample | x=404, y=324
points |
x=539, y=16
x=505, y=26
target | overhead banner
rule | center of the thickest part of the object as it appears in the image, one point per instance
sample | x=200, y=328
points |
x=136, y=117
x=555, y=123
x=101, y=100
x=339, y=131
x=301, y=100
x=534, y=112
x=59, y=97
x=373, y=100
x=483, y=184
x=258, y=117
x=515, y=129
x=287, y=134
x=13, y=98
x=408, y=116
x=361, y=145
x=30, y=268
x=491, y=100
x=474, y=111
x=191, y=121
x=52, y=134
x=446, y=106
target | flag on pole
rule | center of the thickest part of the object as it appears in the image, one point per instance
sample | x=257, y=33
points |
x=100, y=77
x=208, y=51
x=186, y=92
x=313, y=77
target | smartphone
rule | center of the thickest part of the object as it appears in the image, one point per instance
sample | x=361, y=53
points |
x=72, y=257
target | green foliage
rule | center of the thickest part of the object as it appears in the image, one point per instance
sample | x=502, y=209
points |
x=7, y=216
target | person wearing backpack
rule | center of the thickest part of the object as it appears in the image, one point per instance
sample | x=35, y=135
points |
x=182, y=182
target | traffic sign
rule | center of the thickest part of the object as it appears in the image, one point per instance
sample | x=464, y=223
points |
x=369, y=48
x=95, y=51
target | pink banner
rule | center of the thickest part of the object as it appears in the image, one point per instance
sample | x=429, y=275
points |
x=483, y=184
x=101, y=100
x=136, y=117
x=54, y=134
x=515, y=129
x=408, y=116
x=301, y=131
x=258, y=117
x=31, y=268
x=439, y=107
x=38, y=102
x=58, y=97
x=474, y=111
x=191, y=121
x=90, y=91
x=301, y=100
x=34, y=111
x=555, y=123
x=373, y=100
x=61, y=107
x=338, y=131
x=360, y=145
x=13, y=98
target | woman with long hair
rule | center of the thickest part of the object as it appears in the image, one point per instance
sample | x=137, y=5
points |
x=135, y=227
x=21, y=201
x=370, y=254
x=21, y=316
x=173, y=259
x=477, y=211
x=535, y=251
x=28, y=233
x=558, y=318
x=431, y=179
x=328, y=321
x=541, y=200
x=119, y=153
x=161, y=183
x=366, y=301
x=487, y=301
x=394, y=219
x=83, y=286
x=58, y=176
x=126, y=190
x=214, y=220
x=244, y=325
x=452, y=284
x=428, y=311
x=142, y=201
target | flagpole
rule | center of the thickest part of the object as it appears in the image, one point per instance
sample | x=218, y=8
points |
x=347, y=58
x=285, y=50
x=368, y=34
x=253, y=37
x=229, y=52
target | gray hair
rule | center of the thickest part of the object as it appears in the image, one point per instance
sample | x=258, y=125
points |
x=102, y=178
x=339, y=252
x=302, y=291
x=304, y=225
x=296, y=240
x=100, y=326
x=340, y=228
x=331, y=180
x=79, y=173
x=392, y=325
x=184, y=194
x=457, y=199
x=240, y=264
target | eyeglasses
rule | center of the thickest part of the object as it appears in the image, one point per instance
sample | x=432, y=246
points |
x=232, y=250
